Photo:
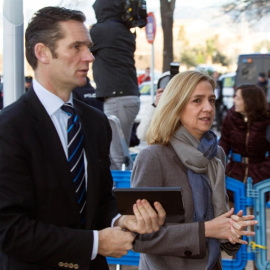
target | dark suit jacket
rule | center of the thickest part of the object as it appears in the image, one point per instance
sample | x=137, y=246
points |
x=39, y=218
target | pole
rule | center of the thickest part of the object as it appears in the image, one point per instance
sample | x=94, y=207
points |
x=152, y=73
x=13, y=60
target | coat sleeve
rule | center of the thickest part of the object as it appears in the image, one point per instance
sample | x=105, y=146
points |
x=184, y=240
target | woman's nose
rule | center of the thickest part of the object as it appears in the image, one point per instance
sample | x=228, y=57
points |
x=207, y=106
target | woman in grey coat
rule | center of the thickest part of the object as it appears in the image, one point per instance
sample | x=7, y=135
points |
x=183, y=152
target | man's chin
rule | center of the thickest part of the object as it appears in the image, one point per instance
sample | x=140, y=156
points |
x=81, y=82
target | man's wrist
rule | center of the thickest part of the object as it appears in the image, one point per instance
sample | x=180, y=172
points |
x=120, y=222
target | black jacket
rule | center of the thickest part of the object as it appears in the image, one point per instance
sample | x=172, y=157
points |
x=87, y=94
x=40, y=226
x=114, y=46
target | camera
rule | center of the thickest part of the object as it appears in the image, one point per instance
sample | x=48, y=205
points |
x=166, y=76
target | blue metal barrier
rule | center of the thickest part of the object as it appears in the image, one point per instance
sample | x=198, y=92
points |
x=121, y=179
x=240, y=202
x=244, y=196
x=260, y=243
x=132, y=258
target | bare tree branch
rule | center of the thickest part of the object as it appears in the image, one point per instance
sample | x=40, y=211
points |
x=254, y=9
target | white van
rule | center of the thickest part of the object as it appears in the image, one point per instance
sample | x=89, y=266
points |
x=249, y=66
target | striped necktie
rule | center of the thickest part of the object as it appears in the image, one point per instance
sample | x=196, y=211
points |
x=76, y=155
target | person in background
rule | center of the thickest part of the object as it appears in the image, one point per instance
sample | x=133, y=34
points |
x=219, y=99
x=1, y=94
x=262, y=81
x=245, y=135
x=146, y=120
x=144, y=77
x=87, y=94
x=268, y=86
x=114, y=71
x=183, y=152
x=28, y=82
x=217, y=89
x=57, y=210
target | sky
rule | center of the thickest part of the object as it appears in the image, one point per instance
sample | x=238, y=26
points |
x=30, y=6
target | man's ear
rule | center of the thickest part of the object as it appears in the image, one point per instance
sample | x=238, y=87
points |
x=42, y=53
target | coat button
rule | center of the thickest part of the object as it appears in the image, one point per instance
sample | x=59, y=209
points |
x=188, y=253
x=66, y=265
x=71, y=265
x=76, y=266
x=61, y=264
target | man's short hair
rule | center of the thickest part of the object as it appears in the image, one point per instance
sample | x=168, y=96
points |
x=28, y=79
x=44, y=28
x=262, y=74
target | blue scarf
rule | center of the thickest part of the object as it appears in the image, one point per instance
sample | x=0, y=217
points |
x=202, y=194
x=195, y=156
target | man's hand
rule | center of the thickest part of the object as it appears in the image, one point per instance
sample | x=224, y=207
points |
x=158, y=95
x=145, y=218
x=114, y=242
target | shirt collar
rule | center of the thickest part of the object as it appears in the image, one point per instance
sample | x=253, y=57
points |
x=50, y=101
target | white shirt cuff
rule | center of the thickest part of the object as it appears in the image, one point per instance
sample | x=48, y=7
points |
x=95, y=245
x=114, y=219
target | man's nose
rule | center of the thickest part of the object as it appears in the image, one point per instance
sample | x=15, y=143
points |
x=88, y=56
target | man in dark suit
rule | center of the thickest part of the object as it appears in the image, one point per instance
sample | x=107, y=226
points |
x=43, y=224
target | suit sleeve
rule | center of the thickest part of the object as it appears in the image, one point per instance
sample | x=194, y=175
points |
x=24, y=236
x=185, y=240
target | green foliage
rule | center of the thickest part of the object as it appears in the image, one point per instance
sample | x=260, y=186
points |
x=219, y=57
x=188, y=58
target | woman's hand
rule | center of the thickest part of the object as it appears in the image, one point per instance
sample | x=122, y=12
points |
x=219, y=227
x=231, y=227
x=145, y=218
x=239, y=223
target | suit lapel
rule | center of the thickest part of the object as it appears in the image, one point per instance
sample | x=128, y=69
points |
x=51, y=145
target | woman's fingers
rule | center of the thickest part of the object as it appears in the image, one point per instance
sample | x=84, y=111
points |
x=148, y=217
x=161, y=213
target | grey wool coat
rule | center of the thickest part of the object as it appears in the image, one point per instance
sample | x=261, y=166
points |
x=177, y=245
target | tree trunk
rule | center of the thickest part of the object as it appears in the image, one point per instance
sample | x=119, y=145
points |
x=166, y=11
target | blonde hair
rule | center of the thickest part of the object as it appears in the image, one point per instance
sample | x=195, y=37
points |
x=176, y=95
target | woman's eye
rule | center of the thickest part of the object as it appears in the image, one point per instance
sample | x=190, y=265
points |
x=213, y=100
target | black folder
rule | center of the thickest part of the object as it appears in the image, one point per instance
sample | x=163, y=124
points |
x=169, y=197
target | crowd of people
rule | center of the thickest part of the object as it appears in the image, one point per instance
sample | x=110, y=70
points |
x=57, y=209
